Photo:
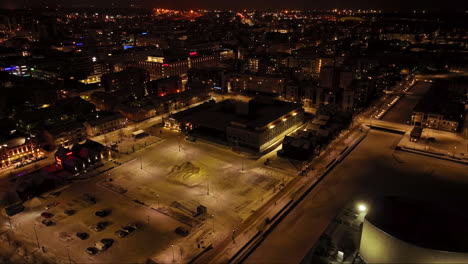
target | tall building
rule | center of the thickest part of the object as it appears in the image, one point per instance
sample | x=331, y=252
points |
x=132, y=79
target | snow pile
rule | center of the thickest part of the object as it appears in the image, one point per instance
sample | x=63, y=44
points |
x=186, y=174
x=34, y=202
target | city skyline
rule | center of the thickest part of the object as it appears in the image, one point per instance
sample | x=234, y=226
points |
x=386, y=6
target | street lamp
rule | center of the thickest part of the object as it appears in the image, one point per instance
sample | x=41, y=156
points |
x=68, y=253
x=362, y=208
x=37, y=239
x=173, y=257
x=213, y=222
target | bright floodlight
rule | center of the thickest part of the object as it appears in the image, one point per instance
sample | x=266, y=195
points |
x=362, y=208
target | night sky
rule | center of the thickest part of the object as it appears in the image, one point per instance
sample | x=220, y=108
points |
x=400, y=5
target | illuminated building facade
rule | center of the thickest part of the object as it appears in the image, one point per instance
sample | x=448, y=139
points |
x=256, y=125
x=17, y=155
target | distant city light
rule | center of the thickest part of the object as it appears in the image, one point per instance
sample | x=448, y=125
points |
x=94, y=59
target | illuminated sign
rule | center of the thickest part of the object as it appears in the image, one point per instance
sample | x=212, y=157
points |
x=79, y=44
x=217, y=88
x=193, y=53
x=128, y=47
x=144, y=33
x=69, y=153
x=165, y=64
x=10, y=68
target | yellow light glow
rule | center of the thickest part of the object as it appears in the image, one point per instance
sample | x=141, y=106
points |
x=294, y=114
x=362, y=208
x=272, y=126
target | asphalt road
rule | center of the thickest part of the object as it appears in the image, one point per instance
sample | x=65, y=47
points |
x=409, y=175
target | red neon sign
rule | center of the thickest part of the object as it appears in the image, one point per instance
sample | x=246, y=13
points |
x=69, y=153
x=193, y=53
x=165, y=64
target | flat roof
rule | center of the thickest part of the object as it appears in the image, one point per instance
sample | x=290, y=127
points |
x=420, y=223
x=257, y=114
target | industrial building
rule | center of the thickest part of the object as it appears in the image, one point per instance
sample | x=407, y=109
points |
x=256, y=124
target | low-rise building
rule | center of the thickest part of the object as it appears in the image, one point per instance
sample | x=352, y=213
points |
x=103, y=122
x=257, y=124
x=65, y=134
x=437, y=110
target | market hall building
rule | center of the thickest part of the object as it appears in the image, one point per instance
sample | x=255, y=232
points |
x=257, y=124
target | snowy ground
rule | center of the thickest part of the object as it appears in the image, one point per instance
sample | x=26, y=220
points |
x=230, y=185
x=446, y=143
x=372, y=170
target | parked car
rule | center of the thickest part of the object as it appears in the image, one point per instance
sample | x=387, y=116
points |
x=47, y=222
x=121, y=233
x=46, y=215
x=51, y=205
x=91, y=250
x=103, y=212
x=100, y=226
x=82, y=235
x=69, y=212
x=129, y=229
x=89, y=198
x=182, y=231
x=104, y=244
x=431, y=139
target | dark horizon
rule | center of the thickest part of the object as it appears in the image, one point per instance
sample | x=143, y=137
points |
x=386, y=6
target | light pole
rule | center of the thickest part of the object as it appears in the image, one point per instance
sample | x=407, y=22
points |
x=37, y=239
x=157, y=200
x=68, y=253
x=213, y=222
x=207, y=185
x=173, y=256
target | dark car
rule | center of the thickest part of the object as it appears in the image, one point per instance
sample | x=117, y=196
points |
x=91, y=250
x=82, y=235
x=431, y=139
x=69, y=212
x=103, y=213
x=121, y=233
x=129, y=229
x=89, y=198
x=107, y=241
x=100, y=226
x=182, y=231
x=47, y=222
x=46, y=215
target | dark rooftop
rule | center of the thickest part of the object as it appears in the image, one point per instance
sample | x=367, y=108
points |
x=437, y=101
x=420, y=223
x=257, y=113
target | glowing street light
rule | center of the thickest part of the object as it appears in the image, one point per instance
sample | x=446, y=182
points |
x=362, y=208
